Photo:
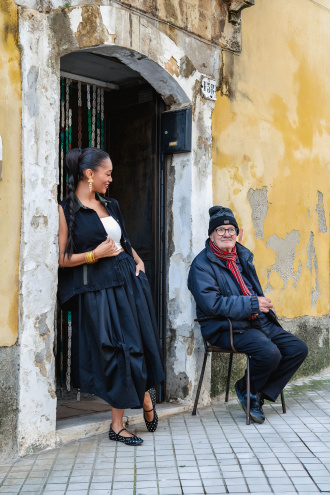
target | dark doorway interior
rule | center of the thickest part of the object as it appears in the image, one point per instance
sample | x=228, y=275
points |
x=130, y=125
x=133, y=122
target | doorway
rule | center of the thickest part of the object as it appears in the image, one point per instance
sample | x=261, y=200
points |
x=108, y=105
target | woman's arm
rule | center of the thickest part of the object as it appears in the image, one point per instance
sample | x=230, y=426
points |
x=103, y=250
x=139, y=263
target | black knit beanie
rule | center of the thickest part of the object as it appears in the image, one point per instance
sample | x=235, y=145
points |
x=219, y=215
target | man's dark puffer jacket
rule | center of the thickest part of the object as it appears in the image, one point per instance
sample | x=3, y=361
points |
x=217, y=293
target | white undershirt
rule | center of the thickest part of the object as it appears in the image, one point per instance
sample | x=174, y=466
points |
x=113, y=230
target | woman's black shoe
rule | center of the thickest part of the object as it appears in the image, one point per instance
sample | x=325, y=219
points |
x=134, y=440
x=152, y=425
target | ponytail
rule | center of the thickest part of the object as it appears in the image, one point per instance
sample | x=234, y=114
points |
x=77, y=161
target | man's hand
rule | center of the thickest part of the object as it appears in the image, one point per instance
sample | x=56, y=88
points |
x=265, y=304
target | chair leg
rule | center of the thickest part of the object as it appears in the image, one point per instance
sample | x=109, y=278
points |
x=228, y=376
x=199, y=385
x=248, y=389
x=283, y=402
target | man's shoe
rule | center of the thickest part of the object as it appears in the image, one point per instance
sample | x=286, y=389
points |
x=256, y=412
x=256, y=402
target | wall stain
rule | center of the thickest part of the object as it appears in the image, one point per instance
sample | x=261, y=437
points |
x=65, y=41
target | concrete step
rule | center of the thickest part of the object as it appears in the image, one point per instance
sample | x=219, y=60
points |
x=72, y=429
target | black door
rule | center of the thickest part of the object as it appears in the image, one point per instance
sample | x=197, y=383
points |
x=132, y=128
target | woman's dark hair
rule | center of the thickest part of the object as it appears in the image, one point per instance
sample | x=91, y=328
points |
x=77, y=161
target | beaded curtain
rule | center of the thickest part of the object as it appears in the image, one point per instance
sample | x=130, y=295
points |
x=81, y=126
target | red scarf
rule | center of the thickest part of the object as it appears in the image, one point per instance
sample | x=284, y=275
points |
x=230, y=259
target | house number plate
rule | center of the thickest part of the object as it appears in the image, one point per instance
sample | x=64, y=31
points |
x=209, y=88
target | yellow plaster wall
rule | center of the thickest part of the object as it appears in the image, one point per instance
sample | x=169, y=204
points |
x=271, y=128
x=10, y=185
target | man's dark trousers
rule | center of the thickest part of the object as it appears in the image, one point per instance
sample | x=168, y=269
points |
x=275, y=355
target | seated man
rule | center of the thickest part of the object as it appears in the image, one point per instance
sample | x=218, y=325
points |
x=224, y=283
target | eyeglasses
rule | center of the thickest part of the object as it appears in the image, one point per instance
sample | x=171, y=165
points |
x=221, y=231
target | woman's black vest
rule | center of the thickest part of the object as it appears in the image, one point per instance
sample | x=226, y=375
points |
x=87, y=235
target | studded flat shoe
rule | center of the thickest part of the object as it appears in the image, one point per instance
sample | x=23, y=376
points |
x=152, y=425
x=117, y=437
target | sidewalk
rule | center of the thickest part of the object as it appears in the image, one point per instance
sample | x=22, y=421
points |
x=214, y=452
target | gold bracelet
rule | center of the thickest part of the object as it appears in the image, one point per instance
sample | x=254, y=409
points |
x=90, y=257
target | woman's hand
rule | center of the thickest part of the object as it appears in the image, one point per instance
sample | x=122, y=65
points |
x=139, y=266
x=139, y=263
x=106, y=249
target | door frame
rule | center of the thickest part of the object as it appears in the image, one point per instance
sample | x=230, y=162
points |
x=189, y=194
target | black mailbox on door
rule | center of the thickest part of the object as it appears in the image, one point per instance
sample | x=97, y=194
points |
x=176, y=131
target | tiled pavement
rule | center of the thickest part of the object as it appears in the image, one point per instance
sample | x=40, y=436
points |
x=214, y=452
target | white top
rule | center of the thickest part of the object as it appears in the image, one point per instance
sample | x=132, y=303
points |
x=112, y=229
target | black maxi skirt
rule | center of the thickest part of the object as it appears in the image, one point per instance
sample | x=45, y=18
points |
x=116, y=353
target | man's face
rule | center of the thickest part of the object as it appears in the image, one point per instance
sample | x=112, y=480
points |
x=224, y=237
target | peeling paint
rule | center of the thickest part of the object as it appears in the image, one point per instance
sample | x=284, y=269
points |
x=285, y=255
x=31, y=95
x=259, y=206
x=296, y=275
x=187, y=68
x=312, y=260
x=172, y=67
x=321, y=213
x=91, y=31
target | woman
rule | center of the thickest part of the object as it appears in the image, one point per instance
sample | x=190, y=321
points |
x=116, y=353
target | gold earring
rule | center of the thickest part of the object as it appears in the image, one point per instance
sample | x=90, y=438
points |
x=90, y=185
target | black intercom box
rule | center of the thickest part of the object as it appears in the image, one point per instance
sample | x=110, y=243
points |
x=176, y=131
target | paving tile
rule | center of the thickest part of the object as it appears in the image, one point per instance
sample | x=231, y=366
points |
x=191, y=491
x=122, y=486
x=102, y=478
x=10, y=489
x=167, y=491
x=13, y=481
x=32, y=488
x=189, y=475
x=55, y=486
x=215, y=489
x=143, y=491
x=101, y=492
x=78, y=486
x=191, y=483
